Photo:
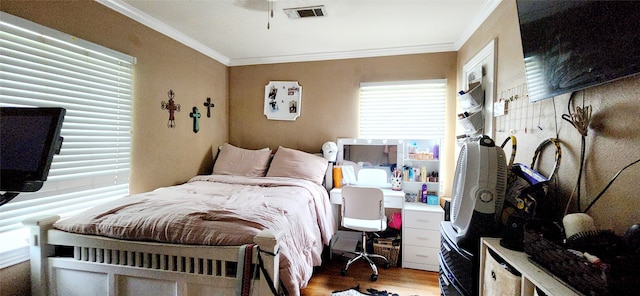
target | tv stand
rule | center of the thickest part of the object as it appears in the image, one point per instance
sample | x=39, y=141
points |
x=7, y=197
x=12, y=188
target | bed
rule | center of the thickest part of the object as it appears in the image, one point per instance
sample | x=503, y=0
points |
x=256, y=226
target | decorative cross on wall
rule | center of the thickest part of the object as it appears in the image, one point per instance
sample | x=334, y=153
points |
x=172, y=107
x=195, y=115
x=209, y=105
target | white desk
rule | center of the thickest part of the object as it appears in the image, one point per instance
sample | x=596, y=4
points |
x=421, y=236
x=392, y=199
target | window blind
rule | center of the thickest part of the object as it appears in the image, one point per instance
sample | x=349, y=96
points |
x=403, y=110
x=42, y=67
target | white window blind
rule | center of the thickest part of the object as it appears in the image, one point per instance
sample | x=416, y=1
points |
x=403, y=110
x=42, y=67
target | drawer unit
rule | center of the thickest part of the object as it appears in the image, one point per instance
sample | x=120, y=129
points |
x=459, y=265
x=420, y=218
x=422, y=255
x=447, y=286
x=393, y=202
x=421, y=235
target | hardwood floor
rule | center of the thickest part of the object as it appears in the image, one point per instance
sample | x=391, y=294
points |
x=401, y=281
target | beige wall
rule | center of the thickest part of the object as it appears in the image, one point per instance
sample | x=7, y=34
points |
x=160, y=155
x=329, y=106
x=609, y=147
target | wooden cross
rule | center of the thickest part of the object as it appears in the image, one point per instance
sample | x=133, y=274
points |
x=209, y=105
x=172, y=107
x=195, y=115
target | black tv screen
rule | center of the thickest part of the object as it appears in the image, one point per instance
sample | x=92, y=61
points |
x=571, y=45
x=29, y=137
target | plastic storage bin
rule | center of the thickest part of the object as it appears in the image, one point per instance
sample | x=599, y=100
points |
x=472, y=123
x=472, y=100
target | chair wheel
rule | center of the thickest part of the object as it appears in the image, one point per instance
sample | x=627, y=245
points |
x=343, y=272
x=374, y=277
x=387, y=265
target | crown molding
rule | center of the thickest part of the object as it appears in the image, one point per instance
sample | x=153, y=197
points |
x=153, y=23
x=344, y=55
x=485, y=11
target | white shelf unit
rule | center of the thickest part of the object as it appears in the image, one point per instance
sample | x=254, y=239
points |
x=430, y=165
x=421, y=221
x=416, y=186
x=532, y=276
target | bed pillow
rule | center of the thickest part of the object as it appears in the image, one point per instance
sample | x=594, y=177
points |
x=297, y=164
x=237, y=161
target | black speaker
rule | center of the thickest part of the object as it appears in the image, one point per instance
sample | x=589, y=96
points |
x=513, y=233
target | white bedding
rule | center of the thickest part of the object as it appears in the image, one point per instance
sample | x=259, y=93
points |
x=223, y=210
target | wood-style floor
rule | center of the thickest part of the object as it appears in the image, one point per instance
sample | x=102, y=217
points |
x=401, y=281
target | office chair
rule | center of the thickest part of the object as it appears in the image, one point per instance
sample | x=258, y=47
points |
x=363, y=210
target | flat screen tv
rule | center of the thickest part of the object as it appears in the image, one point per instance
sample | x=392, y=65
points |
x=29, y=137
x=572, y=45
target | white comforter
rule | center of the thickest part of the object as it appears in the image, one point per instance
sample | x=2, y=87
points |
x=223, y=210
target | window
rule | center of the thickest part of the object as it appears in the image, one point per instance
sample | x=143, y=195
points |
x=41, y=67
x=403, y=110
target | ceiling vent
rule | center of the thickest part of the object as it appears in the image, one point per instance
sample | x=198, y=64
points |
x=305, y=12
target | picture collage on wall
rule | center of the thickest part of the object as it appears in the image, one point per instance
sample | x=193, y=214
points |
x=282, y=100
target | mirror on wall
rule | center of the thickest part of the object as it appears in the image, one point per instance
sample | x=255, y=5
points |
x=370, y=153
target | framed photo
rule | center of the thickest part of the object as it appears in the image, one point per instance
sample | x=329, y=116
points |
x=282, y=100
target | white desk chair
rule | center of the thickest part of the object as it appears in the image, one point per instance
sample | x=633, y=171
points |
x=363, y=210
